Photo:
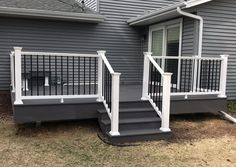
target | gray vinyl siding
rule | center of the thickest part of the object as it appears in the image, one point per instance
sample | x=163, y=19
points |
x=188, y=37
x=122, y=43
x=220, y=35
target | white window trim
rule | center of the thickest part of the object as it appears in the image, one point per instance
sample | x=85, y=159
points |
x=165, y=26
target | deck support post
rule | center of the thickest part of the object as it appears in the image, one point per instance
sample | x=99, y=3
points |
x=100, y=78
x=18, y=82
x=165, y=123
x=115, y=104
x=12, y=71
x=146, y=75
x=223, y=76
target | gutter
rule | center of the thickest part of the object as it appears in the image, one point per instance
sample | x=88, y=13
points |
x=200, y=19
x=55, y=15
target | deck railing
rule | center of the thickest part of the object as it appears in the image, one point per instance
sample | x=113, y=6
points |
x=191, y=76
x=43, y=75
x=196, y=75
x=153, y=91
x=109, y=91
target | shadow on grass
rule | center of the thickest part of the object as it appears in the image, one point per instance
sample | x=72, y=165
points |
x=32, y=129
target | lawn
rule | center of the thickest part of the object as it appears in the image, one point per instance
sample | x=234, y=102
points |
x=198, y=140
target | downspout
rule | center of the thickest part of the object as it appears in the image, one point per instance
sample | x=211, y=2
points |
x=200, y=27
x=196, y=68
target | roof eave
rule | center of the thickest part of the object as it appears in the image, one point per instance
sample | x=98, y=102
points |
x=140, y=20
x=52, y=15
x=193, y=3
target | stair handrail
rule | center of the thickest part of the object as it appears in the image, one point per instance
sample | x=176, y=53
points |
x=113, y=108
x=163, y=113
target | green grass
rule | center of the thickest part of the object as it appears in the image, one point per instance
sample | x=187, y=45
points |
x=232, y=106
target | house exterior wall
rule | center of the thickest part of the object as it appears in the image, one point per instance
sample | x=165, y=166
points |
x=189, y=37
x=220, y=35
x=122, y=43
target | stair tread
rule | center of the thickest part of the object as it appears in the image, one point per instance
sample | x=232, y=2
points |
x=133, y=120
x=142, y=109
x=139, y=132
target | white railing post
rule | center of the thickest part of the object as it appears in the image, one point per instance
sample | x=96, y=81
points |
x=12, y=71
x=100, y=79
x=18, y=81
x=115, y=104
x=146, y=75
x=165, y=123
x=223, y=76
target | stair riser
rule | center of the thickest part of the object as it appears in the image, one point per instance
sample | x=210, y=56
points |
x=122, y=115
x=135, y=104
x=139, y=138
x=135, y=126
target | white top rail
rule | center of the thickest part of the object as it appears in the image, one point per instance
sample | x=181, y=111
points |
x=107, y=64
x=188, y=58
x=155, y=64
x=58, y=54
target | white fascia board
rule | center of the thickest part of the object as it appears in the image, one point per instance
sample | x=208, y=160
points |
x=193, y=3
x=54, y=15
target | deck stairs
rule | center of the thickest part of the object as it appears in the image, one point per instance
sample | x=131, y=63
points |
x=138, y=122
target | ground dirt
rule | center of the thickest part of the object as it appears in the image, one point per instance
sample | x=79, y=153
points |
x=198, y=140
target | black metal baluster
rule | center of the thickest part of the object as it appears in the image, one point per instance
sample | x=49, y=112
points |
x=84, y=74
x=62, y=87
x=219, y=74
x=103, y=80
x=155, y=86
x=50, y=77
x=201, y=73
x=212, y=73
x=185, y=75
x=31, y=76
x=44, y=74
x=37, y=75
x=56, y=75
x=189, y=74
x=107, y=87
x=25, y=77
x=78, y=75
x=95, y=76
x=150, y=79
x=209, y=75
x=181, y=72
x=110, y=89
x=73, y=74
x=89, y=75
x=68, y=82
x=216, y=75
x=159, y=90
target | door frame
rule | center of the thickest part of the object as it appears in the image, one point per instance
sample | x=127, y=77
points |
x=165, y=26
